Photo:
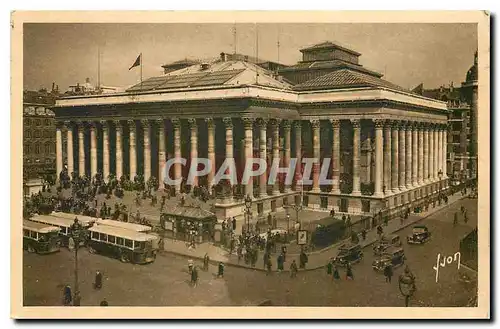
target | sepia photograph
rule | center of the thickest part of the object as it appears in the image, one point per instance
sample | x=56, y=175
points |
x=331, y=167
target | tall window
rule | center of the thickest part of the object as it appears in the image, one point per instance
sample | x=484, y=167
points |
x=38, y=122
x=37, y=148
x=47, y=148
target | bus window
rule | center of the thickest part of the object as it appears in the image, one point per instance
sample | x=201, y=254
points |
x=33, y=235
x=139, y=245
x=103, y=237
x=111, y=238
x=26, y=233
x=44, y=238
x=95, y=235
x=119, y=241
x=128, y=243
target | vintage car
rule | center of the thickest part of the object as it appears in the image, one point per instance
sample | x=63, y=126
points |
x=394, y=256
x=348, y=253
x=419, y=235
x=386, y=242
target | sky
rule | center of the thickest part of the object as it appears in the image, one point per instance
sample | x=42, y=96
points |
x=407, y=54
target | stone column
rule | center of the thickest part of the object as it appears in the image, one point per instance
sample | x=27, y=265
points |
x=262, y=123
x=421, y=157
x=414, y=156
x=146, y=125
x=369, y=155
x=248, y=126
x=379, y=162
x=93, y=149
x=211, y=151
x=387, y=157
x=59, y=150
x=176, y=123
x=286, y=161
x=316, y=154
x=298, y=154
x=431, y=153
x=445, y=152
x=408, y=160
x=356, y=143
x=275, y=125
x=132, y=149
x=402, y=156
x=105, y=150
x=436, y=152
x=336, y=156
x=119, y=149
x=425, y=128
x=193, y=126
x=69, y=146
x=161, y=154
x=81, y=148
x=395, y=157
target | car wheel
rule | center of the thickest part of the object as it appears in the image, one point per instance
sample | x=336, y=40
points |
x=31, y=249
x=91, y=250
x=124, y=258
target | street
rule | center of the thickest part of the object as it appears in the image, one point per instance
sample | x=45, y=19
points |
x=166, y=281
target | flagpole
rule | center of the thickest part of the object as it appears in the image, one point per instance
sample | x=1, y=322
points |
x=141, y=71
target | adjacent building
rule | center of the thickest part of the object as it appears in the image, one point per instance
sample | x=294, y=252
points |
x=385, y=146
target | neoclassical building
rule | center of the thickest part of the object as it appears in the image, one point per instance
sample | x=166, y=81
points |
x=387, y=146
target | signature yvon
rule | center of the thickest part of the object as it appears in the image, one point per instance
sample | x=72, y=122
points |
x=446, y=260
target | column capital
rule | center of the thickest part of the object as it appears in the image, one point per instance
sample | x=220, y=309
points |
x=192, y=123
x=145, y=123
x=287, y=124
x=379, y=123
x=118, y=123
x=228, y=122
x=59, y=124
x=159, y=121
x=262, y=123
x=104, y=124
x=315, y=123
x=356, y=123
x=335, y=123
x=93, y=125
x=80, y=123
x=176, y=122
x=68, y=124
x=131, y=123
x=248, y=122
x=275, y=122
x=210, y=122
x=297, y=124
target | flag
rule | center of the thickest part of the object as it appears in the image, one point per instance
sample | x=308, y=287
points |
x=137, y=62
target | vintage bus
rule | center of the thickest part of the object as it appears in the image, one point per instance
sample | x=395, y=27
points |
x=86, y=221
x=64, y=225
x=40, y=238
x=129, y=226
x=126, y=245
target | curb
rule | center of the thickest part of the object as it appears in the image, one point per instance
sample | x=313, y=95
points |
x=213, y=262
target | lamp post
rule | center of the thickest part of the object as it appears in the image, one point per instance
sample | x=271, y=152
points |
x=287, y=224
x=248, y=211
x=77, y=234
x=407, y=285
x=297, y=206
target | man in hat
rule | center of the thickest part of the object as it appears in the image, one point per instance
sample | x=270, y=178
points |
x=104, y=302
x=67, y=295
x=220, y=272
x=293, y=269
x=98, y=280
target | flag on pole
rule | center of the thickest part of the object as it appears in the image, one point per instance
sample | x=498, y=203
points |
x=137, y=62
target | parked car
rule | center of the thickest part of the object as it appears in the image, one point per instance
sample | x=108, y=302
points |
x=348, y=253
x=394, y=256
x=386, y=242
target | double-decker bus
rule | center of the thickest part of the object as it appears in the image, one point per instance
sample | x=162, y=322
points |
x=40, y=238
x=126, y=245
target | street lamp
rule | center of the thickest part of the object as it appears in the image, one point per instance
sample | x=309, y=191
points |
x=248, y=210
x=407, y=285
x=287, y=224
x=77, y=234
x=297, y=206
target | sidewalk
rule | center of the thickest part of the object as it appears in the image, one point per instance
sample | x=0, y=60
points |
x=317, y=259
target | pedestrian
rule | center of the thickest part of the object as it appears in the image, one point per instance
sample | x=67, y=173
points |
x=349, y=274
x=104, y=302
x=329, y=267
x=67, y=297
x=194, y=276
x=240, y=253
x=234, y=224
x=380, y=231
x=220, y=272
x=388, y=273
x=280, y=262
x=269, y=266
x=336, y=274
x=98, y=280
x=77, y=299
x=363, y=234
x=465, y=217
x=206, y=259
x=386, y=220
x=402, y=219
x=283, y=252
x=269, y=219
x=455, y=219
x=303, y=259
x=266, y=259
x=190, y=266
x=293, y=269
